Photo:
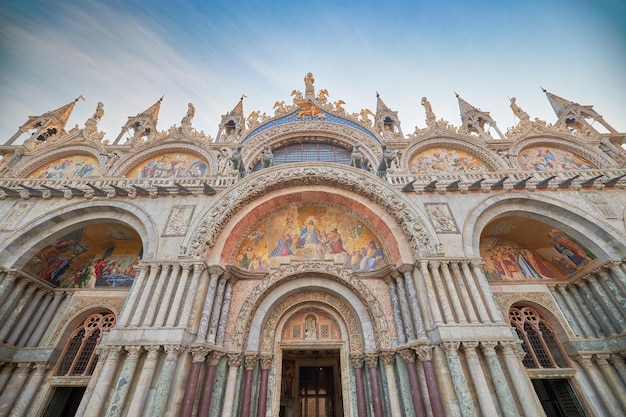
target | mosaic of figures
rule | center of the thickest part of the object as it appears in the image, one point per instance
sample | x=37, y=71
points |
x=551, y=255
x=310, y=232
x=541, y=158
x=445, y=160
x=102, y=255
x=170, y=165
x=77, y=166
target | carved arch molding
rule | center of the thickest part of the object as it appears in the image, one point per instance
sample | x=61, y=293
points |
x=420, y=234
x=290, y=272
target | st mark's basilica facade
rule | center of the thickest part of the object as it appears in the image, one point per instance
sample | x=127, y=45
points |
x=314, y=262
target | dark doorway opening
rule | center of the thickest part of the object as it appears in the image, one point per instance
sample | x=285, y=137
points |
x=64, y=402
x=558, y=398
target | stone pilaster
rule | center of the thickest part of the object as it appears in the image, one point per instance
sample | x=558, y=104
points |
x=6, y=286
x=207, y=386
x=25, y=316
x=135, y=292
x=389, y=359
x=591, y=323
x=140, y=395
x=419, y=406
x=563, y=300
x=604, y=391
x=523, y=387
x=156, y=297
x=16, y=290
x=266, y=363
x=178, y=296
x=250, y=362
x=485, y=400
x=611, y=308
x=172, y=283
x=14, y=314
x=27, y=395
x=596, y=310
x=98, y=389
x=414, y=304
x=234, y=362
x=615, y=359
x=198, y=354
x=458, y=379
x=465, y=297
x=191, y=298
x=425, y=354
x=454, y=296
x=120, y=392
x=422, y=296
x=221, y=328
x=507, y=402
x=372, y=363
x=217, y=309
x=357, y=365
x=397, y=312
x=36, y=318
x=165, y=380
x=144, y=297
x=483, y=285
x=432, y=295
x=474, y=292
x=207, y=308
x=441, y=291
x=616, y=385
x=14, y=387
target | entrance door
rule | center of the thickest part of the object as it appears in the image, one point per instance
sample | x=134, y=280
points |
x=64, y=402
x=316, y=391
x=557, y=398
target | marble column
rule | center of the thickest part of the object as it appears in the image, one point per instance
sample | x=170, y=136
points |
x=6, y=286
x=389, y=359
x=234, y=361
x=16, y=291
x=190, y=297
x=614, y=382
x=14, y=314
x=48, y=315
x=432, y=295
x=221, y=327
x=14, y=387
x=507, y=402
x=165, y=380
x=616, y=359
x=98, y=389
x=25, y=316
x=591, y=323
x=617, y=270
x=5, y=374
x=198, y=354
x=36, y=318
x=602, y=389
x=422, y=296
x=156, y=297
x=217, y=309
x=408, y=356
x=414, y=303
x=266, y=362
x=490, y=301
x=458, y=379
x=481, y=388
x=474, y=292
x=596, y=309
x=146, y=289
x=207, y=386
x=25, y=399
x=425, y=354
x=606, y=302
x=178, y=297
x=172, y=282
x=372, y=363
x=138, y=402
x=442, y=294
x=135, y=292
x=357, y=365
x=618, y=297
x=120, y=392
x=399, y=320
x=250, y=362
x=563, y=300
x=523, y=387
x=207, y=308
x=467, y=301
x=454, y=296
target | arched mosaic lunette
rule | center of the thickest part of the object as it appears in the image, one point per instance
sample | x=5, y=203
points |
x=127, y=163
x=45, y=156
x=333, y=302
x=418, y=231
x=598, y=159
x=289, y=272
x=489, y=157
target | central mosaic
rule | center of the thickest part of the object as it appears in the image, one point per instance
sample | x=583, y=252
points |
x=305, y=232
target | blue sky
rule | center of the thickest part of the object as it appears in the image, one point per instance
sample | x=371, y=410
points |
x=128, y=54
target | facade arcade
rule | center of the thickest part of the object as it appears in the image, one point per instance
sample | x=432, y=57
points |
x=314, y=262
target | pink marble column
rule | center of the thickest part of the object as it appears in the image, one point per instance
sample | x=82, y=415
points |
x=408, y=356
x=425, y=353
x=207, y=385
x=266, y=362
x=372, y=364
x=198, y=354
x=357, y=364
x=249, y=364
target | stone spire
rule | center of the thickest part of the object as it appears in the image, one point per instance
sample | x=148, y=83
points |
x=232, y=124
x=387, y=122
x=474, y=120
x=143, y=125
x=47, y=124
x=574, y=115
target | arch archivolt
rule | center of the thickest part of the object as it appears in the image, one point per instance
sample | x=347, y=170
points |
x=46, y=155
x=327, y=302
x=478, y=150
x=355, y=304
x=417, y=230
x=596, y=234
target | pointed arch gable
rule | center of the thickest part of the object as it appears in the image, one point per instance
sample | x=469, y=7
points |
x=570, y=145
x=598, y=236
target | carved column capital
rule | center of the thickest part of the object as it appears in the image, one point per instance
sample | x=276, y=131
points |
x=133, y=352
x=455, y=266
x=424, y=352
x=371, y=359
x=488, y=348
x=234, y=360
x=404, y=268
x=470, y=349
x=562, y=288
x=266, y=361
x=451, y=348
x=215, y=270
x=24, y=367
x=250, y=361
x=388, y=358
x=476, y=263
x=433, y=264
x=41, y=367
x=407, y=355
x=172, y=351
x=357, y=360
x=614, y=265
x=153, y=351
x=215, y=357
x=602, y=359
x=581, y=283
x=584, y=360
x=199, y=353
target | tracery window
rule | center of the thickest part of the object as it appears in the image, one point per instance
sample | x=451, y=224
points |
x=309, y=152
x=79, y=355
x=540, y=342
